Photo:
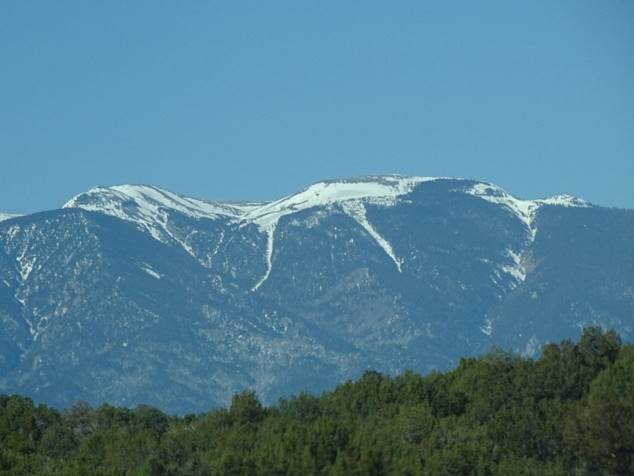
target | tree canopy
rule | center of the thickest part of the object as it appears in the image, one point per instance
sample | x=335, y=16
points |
x=569, y=412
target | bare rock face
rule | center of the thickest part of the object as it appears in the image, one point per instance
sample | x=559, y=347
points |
x=133, y=294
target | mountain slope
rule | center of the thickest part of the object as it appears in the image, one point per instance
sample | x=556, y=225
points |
x=135, y=294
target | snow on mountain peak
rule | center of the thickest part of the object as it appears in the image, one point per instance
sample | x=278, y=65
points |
x=375, y=189
x=524, y=210
x=565, y=200
x=144, y=201
x=7, y=216
x=148, y=207
x=350, y=194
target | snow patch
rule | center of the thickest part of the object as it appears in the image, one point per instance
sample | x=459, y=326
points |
x=217, y=247
x=165, y=226
x=148, y=269
x=356, y=210
x=487, y=328
x=565, y=201
x=7, y=216
x=25, y=265
x=516, y=270
x=270, y=237
x=33, y=330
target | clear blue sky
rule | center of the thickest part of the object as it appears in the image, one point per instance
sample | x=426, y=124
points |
x=254, y=100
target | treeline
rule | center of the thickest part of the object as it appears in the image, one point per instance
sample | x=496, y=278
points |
x=570, y=412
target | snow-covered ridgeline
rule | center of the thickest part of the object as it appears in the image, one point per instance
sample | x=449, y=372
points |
x=382, y=190
x=148, y=207
x=524, y=210
x=565, y=200
x=144, y=203
x=350, y=194
x=7, y=216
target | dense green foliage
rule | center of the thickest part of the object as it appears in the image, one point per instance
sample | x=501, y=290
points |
x=570, y=412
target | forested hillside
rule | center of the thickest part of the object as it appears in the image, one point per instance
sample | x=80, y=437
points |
x=569, y=412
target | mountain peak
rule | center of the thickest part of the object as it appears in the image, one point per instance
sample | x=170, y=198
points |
x=147, y=205
x=148, y=200
x=565, y=200
x=7, y=216
x=524, y=210
x=378, y=189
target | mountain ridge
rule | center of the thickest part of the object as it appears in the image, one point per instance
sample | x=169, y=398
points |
x=350, y=193
x=254, y=209
x=7, y=216
x=179, y=303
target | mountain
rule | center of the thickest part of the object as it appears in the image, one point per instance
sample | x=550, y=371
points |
x=134, y=294
x=6, y=216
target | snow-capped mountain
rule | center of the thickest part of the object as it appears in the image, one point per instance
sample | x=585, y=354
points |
x=135, y=294
x=7, y=216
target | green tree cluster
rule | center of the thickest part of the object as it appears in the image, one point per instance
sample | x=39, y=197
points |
x=570, y=412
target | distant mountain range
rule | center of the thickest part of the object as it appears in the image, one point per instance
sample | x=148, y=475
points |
x=133, y=294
